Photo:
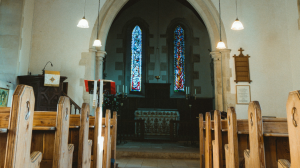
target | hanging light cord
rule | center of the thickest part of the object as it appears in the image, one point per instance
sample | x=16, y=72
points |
x=98, y=19
x=220, y=18
x=236, y=9
x=158, y=24
x=84, y=8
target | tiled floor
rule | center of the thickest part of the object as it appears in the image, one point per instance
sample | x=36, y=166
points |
x=157, y=150
x=157, y=147
x=157, y=163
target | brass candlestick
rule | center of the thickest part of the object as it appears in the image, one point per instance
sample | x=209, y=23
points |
x=157, y=77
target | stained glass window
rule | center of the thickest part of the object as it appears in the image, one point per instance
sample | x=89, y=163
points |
x=136, y=59
x=179, y=59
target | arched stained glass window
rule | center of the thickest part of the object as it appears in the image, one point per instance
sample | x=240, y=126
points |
x=136, y=59
x=179, y=59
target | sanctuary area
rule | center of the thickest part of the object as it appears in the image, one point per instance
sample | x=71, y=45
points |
x=149, y=83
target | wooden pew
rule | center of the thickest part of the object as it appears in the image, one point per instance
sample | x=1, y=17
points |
x=85, y=145
x=50, y=134
x=201, y=141
x=292, y=106
x=107, y=141
x=78, y=135
x=113, y=132
x=208, y=143
x=19, y=131
x=217, y=143
x=4, y=121
x=255, y=157
x=95, y=134
x=231, y=149
x=275, y=135
x=113, y=139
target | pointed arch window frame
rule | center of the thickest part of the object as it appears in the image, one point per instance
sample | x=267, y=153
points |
x=179, y=59
x=136, y=59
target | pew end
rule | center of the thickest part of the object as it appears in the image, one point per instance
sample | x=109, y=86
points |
x=217, y=143
x=255, y=157
x=231, y=149
x=20, y=130
x=62, y=159
x=293, y=121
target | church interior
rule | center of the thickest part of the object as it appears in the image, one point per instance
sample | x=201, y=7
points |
x=149, y=83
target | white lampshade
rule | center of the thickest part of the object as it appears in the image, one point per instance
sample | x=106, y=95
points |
x=221, y=45
x=97, y=43
x=237, y=25
x=83, y=23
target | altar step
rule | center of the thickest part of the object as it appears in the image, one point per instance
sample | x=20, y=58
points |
x=157, y=150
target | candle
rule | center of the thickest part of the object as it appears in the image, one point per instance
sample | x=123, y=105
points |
x=189, y=92
x=117, y=89
x=123, y=89
x=195, y=92
x=126, y=90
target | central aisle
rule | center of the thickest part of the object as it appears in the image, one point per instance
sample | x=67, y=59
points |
x=157, y=154
x=157, y=163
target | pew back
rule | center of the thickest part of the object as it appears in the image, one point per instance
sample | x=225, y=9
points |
x=63, y=153
x=20, y=131
x=85, y=145
x=293, y=119
x=208, y=143
x=256, y=156
x=217, y=143
x=201, y=141
x=231, y=149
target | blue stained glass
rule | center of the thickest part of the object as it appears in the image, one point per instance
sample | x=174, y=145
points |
x=179, y=59
x=136, y=59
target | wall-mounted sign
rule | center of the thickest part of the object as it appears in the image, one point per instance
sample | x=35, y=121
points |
x=243, y=95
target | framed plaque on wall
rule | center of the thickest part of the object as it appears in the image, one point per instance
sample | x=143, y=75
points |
x=243, y=95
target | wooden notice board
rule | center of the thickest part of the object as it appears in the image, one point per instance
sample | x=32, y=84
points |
x=242, y=71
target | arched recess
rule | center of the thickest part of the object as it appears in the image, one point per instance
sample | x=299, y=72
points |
x=210, y=16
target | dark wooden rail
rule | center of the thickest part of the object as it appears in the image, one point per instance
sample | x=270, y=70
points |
x=131, y=129
x=73, y=104
x=184, y=131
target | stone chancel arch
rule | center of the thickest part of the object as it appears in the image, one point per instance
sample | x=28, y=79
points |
x=209, y=15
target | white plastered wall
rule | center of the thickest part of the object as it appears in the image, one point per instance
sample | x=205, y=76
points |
x=265, y=39
x=57, y=38
x=15, y=41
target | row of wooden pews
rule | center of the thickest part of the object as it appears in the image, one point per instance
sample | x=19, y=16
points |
x=61, y=139
x=108, y=139
x=256, y=142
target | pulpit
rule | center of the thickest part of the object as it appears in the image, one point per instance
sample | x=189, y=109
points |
x=46, y=97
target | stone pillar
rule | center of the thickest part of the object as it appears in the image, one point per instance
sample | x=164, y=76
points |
x=218, y=81
x=100, y=55
x=222, y=74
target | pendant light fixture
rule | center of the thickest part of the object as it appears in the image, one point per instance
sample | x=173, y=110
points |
x=237, y=25
x=97, y=42
x=83, y=23
x=221, y=44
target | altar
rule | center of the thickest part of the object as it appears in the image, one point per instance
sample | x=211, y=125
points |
x=157, y=121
